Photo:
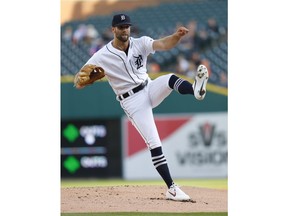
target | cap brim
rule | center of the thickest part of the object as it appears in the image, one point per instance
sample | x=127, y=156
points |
x=124, y=23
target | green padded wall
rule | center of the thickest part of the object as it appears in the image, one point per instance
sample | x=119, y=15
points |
x=98, y=101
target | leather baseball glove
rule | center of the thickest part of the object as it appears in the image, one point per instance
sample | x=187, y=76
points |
x=88, y=75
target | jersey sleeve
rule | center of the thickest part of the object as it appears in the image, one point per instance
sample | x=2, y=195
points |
x=148, y=43
x=93, y=60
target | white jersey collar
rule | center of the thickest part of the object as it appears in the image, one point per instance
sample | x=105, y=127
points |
x=110, y=46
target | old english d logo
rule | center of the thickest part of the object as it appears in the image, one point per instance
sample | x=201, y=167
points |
x=138, y=61
x=207, y=131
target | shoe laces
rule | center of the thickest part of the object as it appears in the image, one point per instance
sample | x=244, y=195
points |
x=174, y=186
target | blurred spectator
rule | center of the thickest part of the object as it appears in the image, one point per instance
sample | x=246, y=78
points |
x=183, y=65
x=96, y=45
x=212, y=25
x=187, y=43
x=107, y=35
x=153, y=67
x=202, y=40
x=195, y=59
x=91, y=34
x=212, y=29
x=67, y=34
x=223, y=79
x=79, y=34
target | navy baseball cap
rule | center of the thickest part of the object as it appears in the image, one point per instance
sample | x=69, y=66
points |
x=121, y=19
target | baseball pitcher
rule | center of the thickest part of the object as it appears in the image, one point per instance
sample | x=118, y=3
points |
x=123, y=61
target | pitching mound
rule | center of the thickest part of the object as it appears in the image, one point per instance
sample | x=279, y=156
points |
x=129, y=198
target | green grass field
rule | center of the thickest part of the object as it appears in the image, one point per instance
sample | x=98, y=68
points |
x=146, y=214
x=204, y=183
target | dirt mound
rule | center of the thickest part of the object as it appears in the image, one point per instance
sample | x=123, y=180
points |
x=129, y=198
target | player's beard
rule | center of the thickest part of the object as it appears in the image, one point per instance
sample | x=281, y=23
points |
x=123, y=37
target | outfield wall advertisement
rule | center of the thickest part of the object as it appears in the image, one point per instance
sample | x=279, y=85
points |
x=91, y=148
x=195, y=146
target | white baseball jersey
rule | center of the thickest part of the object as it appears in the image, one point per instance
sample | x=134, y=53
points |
x=124, y=72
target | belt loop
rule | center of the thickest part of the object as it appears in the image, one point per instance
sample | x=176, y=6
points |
x=130, y=92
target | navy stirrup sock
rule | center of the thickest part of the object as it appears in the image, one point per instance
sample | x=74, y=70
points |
x=160, y=163
x=180, y=85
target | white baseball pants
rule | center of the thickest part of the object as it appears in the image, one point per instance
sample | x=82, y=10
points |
x=138, y=107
